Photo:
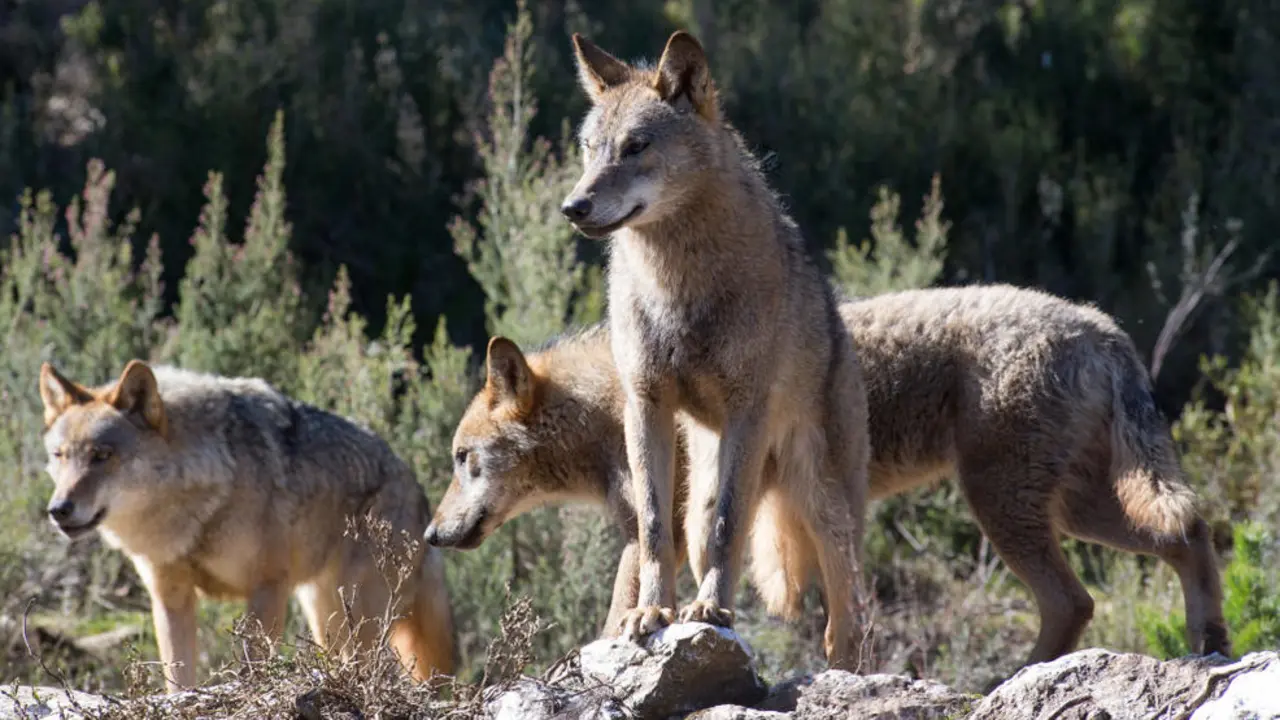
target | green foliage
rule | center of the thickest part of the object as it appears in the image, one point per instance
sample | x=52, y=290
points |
x=1232, y=455
x=1251, y=599
x=522, y=253
x=1054, y=181
x=241, y=309
x=889, y=261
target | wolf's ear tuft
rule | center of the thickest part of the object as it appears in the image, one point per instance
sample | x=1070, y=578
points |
x=136, y=392
x=683, y=74
x=509, y=379
x=58, y=393
x=597, y=70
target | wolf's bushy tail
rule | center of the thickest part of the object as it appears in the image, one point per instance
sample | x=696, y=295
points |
x=782, y=555
x=425, y=636
x=1144, y=465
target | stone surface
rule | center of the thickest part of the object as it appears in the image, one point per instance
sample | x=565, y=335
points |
x=701, y=672
x=680, y=669
x=39, y=703
x=1251, y=692
x=529, y=699
x=836, y=693
x=737, y=712
x=1094, y=684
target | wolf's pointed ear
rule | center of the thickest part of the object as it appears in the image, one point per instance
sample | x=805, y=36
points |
x=136, y=392
x=683, y=73
x=58, y=393
x=597, y=70
x=510, y=380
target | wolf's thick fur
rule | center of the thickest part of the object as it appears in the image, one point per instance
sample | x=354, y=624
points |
x=722, y=324
x=1039, y=405
x=228, y=487
x=546, y=429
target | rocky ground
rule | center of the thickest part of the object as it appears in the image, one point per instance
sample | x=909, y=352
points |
x=700, y=672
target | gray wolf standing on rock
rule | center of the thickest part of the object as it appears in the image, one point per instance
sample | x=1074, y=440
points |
x=1039, y=405
x=227, y=487
x=722, y=323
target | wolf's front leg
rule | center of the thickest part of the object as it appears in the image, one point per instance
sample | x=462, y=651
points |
x=725, y=508
x=650, y=436
x=173, y=610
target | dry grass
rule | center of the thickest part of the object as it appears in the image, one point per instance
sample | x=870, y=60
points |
x=302, y=679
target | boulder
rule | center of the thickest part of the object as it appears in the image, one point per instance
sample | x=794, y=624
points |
x=37, y=703
x=679, y=669
x=1093, y=684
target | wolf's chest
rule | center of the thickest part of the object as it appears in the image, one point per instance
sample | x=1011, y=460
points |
x=674, y=341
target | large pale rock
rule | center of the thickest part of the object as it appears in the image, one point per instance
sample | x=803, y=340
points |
x=1252, y=690
x=38, y=703
x=680, y=669
x=840, y=694
x=529, y=699
x=836, y=693
x=737, y=712
x=1092, y=684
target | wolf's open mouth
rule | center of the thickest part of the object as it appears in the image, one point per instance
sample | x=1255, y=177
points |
x=75, y=531
x=599, y=231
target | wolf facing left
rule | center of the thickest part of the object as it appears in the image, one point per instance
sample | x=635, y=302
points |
x=228, y=488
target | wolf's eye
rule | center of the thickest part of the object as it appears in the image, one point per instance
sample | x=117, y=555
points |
x=460, y=457
x=57, y=454
x=101, y=454
x=632, y=148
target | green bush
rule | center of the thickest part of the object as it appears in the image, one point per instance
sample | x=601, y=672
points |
x=240, y=310
x=888, y=261
x=1232, y=455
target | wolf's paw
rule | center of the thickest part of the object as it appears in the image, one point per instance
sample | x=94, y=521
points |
x=641, y=622
x=708, y=612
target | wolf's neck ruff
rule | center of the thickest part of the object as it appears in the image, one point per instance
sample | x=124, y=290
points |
x=722, y=238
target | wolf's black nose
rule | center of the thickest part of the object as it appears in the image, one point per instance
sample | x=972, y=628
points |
x=61, y=510
x=576, y=210
x=431, y=536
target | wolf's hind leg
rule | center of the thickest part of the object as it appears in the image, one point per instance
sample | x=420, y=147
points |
x=1101, y=519
x=1012, y=506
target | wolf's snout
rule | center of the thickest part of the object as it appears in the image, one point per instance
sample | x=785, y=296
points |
x=431, y=536
x=577, y=210
x=61, y=511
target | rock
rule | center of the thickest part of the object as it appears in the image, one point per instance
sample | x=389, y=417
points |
x=680, y=669
x=840, y=694
x=737, y=712
x=1095, y=684
x=529, y=699
x=1252, y=690
x=37, y=703
x=836, y=693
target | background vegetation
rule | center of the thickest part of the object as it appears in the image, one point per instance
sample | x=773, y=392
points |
x=1119, y=151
